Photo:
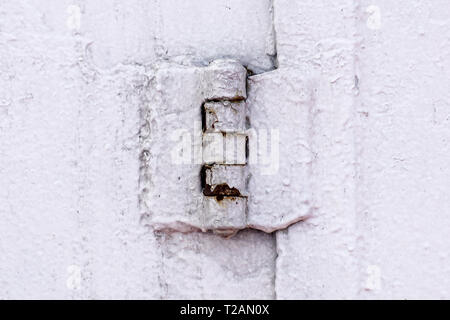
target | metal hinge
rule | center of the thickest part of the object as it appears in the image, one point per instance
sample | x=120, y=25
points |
x=201, y=167
x=224, y=173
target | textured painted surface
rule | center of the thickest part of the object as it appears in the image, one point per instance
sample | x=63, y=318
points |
x=404, y=108
x=140, y=31
x=199, y=266
x=72, y=84
x=279, y=185
x=75, y=76
x=381, y=149
x=317, y=255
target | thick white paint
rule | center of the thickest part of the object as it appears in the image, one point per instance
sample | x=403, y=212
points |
x=279, y=185
x=71, y=91
x=317, y=255
x=75, y=76
x=404, y=132
x=381, y=147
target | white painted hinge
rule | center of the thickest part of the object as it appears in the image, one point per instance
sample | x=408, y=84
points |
x=212, y=157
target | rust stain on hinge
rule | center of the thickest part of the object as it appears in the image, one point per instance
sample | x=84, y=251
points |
x=220, y=191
